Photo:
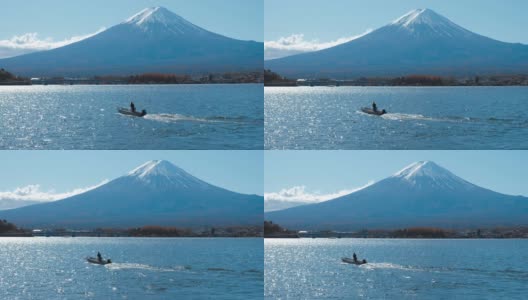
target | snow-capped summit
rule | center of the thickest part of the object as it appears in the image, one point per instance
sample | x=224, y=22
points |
x=421, y=16
x=420, y=168
x=157, y=168
x=427, y=22
x=160, y=16
x=428, y=174
x=149, y=14
x=163, y=173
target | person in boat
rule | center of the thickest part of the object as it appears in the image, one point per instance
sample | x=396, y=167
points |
x=354, y=257
x=374, y=106
x=99, y=256
x=364, y=261
x=132, y=107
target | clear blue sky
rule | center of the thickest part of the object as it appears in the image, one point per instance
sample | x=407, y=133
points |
x=240, y=171
x=328, y=20
x=60, y=19
x=331, y=171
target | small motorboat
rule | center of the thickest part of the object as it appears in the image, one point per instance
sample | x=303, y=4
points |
x=370, y=111
x=94, y=260
x=126, y=111
x=352, y=261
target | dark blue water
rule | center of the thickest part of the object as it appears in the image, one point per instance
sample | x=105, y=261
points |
x=85, y=117
x=418, y=118
x=397, y=269
x=55, y=268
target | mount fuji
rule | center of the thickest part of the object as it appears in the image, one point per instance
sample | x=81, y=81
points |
x=422, y=194
x=155, y=193
x=153, y=40
x=420, y=42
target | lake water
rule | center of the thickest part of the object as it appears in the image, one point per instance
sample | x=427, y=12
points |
x=418, y=118
x=168, y=268
x=397, y=269
x=85, y=117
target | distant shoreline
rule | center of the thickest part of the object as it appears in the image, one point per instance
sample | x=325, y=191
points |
x=417, y=80
x=250, y=77
x=10, y=230
x=148, y=237
x=273, y=230
x=404, y=238
x=296, y=85
x=424, y=233
x=110, y=84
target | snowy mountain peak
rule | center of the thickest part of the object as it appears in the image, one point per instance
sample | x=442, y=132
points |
x=142, y=16
x=419, y=19
x=417, y=16
x=151, y=15
x=164, y=173
x=160, y=16
x=428, y=173
x=421, y=168
x=155, y=167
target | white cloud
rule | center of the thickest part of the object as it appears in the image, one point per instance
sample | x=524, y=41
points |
x=33, y=193
x=31, y=42
x=300, y=194
x=295, y=44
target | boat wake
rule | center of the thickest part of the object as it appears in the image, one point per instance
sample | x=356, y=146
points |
x=384, y=265
x=449, y=119
x=403, y=117
x=400, y=116
x=129, y=266
x=175, y=118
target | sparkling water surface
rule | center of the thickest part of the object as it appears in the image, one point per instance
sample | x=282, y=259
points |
x=418, y=118
x=85, y=117
x=142, y=268
x=396, y=269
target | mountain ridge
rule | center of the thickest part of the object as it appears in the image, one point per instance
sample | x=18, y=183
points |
x=153, y=40
x=420, y=42
x=155, y=193
x=422, y=194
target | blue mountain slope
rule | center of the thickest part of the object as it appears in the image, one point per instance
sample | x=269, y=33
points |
x=156, y=193
x=423, y=194
x=154, y=40
x=420, y=42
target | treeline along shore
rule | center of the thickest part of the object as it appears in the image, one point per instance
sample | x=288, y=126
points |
x=7, y=78
x=8, y=229
x=272, y=230
x=274, y=79
x=11, y=230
